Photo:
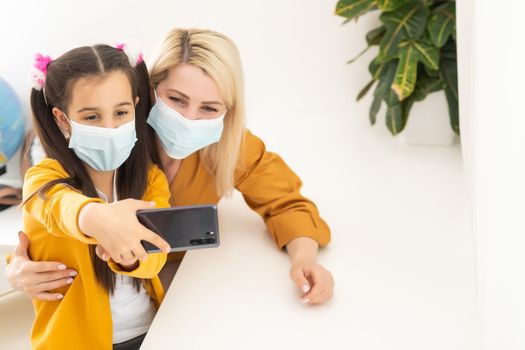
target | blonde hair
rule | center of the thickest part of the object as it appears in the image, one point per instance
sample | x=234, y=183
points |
x=218, y=56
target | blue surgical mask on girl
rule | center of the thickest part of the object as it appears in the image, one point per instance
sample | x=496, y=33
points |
x=180, y=136
x=103, y=149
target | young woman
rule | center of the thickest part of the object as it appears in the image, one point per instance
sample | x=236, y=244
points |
x=87, y=112
x=206, y=152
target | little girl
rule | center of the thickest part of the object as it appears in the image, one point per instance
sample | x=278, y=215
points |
x=88, y=106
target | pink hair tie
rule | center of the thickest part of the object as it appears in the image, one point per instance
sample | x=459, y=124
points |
x=135, y=57
x=39, y=70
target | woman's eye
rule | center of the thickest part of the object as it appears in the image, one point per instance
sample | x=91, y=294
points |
x=209, y=109
x=176, y=99
x=122, y=113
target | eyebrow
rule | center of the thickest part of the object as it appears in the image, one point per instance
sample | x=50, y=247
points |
x=94, y=108
x=187, y=98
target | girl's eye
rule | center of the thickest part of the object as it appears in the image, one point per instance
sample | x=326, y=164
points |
x=209, y=109
x=90, y=117
x=122, y=113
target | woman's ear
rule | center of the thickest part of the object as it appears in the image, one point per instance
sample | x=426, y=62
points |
x=62, y=122
x=137, y=100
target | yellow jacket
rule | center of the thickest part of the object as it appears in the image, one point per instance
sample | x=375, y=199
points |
x=82, y=319
x=268, y=186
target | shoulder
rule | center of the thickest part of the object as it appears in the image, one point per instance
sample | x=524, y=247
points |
x=42, y=173
x=155, y=175
x=48, y=169
x=252, y=148
x=157, y=189
x=252, y=156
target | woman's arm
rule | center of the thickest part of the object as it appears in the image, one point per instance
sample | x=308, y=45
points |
x=314, y=281
x=272, y=189
x=36, y=278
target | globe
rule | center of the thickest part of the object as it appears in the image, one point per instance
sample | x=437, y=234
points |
x=12, y=128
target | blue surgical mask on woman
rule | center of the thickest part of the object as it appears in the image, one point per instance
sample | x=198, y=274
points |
x=180, y=136
x=103, y=149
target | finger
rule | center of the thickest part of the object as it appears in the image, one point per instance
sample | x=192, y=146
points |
x=117, y=253
x=299, y=279
x=54, y=275
x=115, y=257
x=156, y=240
x=44, y=296
x=138, y=204
x=48, y=286
x=42, y=266
x=140, y=253
x=321, y=285
x=127, y=257
x=325, y=294
x=102, y=253
x=23, y=245
x=323, y=297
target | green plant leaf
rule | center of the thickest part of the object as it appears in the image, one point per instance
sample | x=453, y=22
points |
x=449, y=74
x=385, y=82
x=441, y=23
x=351, y=9
x=358, y=55
x=406, y=72
x=397, y=115
x=394, y=119
x=374, y=108
x=427, y=54
x=407, y=22
x=364, y=91
x=448, y=51
x=431, y=72
x=426, y=84
x=374, y=36
x=390, y=5
x=406, y=106
x=376, y=68
x=410, y=53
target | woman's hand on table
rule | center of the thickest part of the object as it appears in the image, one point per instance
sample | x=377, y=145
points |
x=314, y=281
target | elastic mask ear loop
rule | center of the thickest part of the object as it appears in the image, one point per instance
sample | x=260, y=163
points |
x=115, y=192
x=68, y=136
x=156, y=95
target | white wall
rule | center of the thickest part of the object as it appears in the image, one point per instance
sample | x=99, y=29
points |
x=293, y=51
x=491, y=91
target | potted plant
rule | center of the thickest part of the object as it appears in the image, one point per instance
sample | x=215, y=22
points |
x=417, y=56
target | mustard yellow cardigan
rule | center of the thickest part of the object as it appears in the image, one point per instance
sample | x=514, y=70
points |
x=82, y=319
x=268, y=186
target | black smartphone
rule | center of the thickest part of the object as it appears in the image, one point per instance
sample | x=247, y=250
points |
x=184, y=228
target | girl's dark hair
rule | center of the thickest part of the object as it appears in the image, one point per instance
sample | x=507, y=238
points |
x=132, y=175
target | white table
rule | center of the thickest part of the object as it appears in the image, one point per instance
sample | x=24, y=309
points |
x=402, y=254
x=10, y=224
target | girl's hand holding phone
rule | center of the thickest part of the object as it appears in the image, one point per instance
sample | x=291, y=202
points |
x=116, y=228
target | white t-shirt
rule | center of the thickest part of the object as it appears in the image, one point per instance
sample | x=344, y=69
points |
x=132, y=312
